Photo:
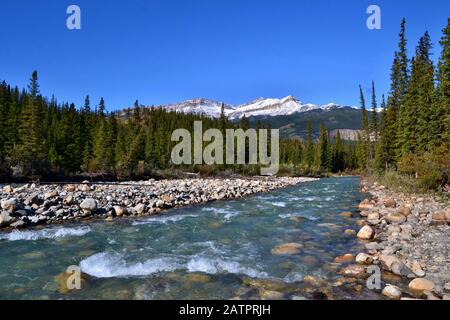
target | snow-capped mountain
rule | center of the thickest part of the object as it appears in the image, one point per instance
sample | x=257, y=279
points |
x=257, y=108
x=200, y=106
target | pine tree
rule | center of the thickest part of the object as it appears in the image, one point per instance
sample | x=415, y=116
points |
x=323, y=152
x=399, y=85
x=414, y=118
x=374, y=114
x=309, y=150
x=366, y=128
x=338, y=154
x=441, y=120
x=31, y=133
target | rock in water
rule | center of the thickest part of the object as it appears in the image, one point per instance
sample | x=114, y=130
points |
x=392, y=292
x=65, y=279
x=353, y=270
x=366, y=233
x=345, y=258
x=89, y=204
x=287, y=248
x=346, y=214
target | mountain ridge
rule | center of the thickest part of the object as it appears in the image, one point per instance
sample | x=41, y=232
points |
x=260, y=107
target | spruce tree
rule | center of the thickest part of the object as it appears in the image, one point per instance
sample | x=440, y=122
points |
x=309, y=152
x=374, y=114
x=441, y=121
x=365, y=126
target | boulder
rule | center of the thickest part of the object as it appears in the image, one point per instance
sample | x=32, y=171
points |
x=5, y=219
x=366, y=233
x=438, y=218
x=8, y=189
x=392, y=292
x=32, y=199
x=70, y=188
x=419, y=285
x=89, y=204
x=388, y=260
x=63, y=282
x=10, y=205
x=365, y=205
x=447, y=215
x=390, y=203
x=50, y=194
x=346, y=214
x=68, y=200
x=373, y=216
x=120, y=211
x=350, y=232
x=395, y=217
x=287, y=248
x=416, y=268
x=166, y=198
x=353, y=270
x=405, y=211
x=84, y=188
x=364, y=259
x=18, y=224
x=270, y=295
x=344, y=258
x=139, y=209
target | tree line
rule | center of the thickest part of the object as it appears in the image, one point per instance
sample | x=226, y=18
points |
x=412, y=133
x=41, y=138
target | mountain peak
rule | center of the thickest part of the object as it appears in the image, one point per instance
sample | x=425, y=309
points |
x=261, y=107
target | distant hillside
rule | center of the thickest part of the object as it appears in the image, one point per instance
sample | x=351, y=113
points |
x=347, y=120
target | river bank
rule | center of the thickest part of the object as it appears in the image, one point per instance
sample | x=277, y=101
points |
x=31, y=205
x=408, y=236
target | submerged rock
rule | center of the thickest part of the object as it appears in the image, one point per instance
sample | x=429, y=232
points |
x=287, y=248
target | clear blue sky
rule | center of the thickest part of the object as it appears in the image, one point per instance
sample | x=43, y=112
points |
x=161, y=51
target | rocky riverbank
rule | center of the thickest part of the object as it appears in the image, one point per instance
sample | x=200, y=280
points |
x=32, y=205
x=408, y=237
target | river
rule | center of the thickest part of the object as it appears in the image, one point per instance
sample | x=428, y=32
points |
x=213, y=251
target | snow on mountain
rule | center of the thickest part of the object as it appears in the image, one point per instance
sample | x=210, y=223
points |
x=257, y=108
x=271, y=107
x=206, y=107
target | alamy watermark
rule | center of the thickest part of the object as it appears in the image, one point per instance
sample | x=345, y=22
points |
x=73, y=281
x=374, y=20
x=73, y=21
x=233, y=152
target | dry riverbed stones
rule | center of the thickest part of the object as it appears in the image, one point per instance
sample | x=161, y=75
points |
x=408, y=237
x=32, y=204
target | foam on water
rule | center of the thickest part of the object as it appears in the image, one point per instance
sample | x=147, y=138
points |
x=51, y=233
x=290, y=215
x=110, y=265
x=211, y=261
x=163, y=219
x=279, y=204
